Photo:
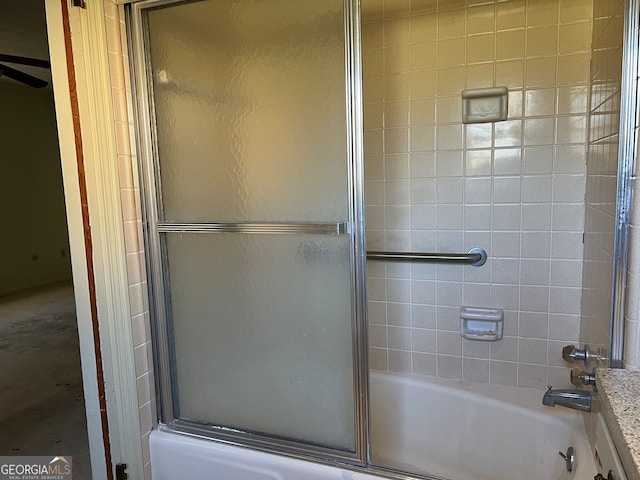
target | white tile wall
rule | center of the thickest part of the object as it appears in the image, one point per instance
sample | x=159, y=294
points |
x=132, y=216
x=515, y=188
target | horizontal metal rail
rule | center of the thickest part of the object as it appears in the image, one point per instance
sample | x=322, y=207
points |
x=259, y=228
x=475, y=257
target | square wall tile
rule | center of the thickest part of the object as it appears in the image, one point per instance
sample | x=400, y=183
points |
x=510, y=15
x=542, y=71
x=480, y=48
x=542, y=13
x=451, y=23
x=503, y=373
x=575, y=37
x=510, y=73
x=449, y=366
x=542, y=41
x=510, y=44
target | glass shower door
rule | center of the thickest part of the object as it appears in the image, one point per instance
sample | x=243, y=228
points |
x=252, y=215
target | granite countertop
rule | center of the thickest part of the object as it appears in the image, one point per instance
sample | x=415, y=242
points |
x=619, y=392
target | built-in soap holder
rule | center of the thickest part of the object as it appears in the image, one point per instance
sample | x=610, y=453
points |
x=480, y=105
x=478, y=323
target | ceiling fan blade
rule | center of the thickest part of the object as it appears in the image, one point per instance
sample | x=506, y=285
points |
x=22, y=77
x=33, y=62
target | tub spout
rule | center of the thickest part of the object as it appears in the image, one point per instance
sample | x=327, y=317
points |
x=575, y=399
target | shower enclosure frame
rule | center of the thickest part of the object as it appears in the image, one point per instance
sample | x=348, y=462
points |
x=142, y=87
x=625, y=184
x=143, y=105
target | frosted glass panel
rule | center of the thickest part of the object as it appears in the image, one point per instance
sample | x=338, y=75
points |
x=262, y=333
x=250, y=107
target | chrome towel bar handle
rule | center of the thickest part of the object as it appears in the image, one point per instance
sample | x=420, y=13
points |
x=475, y=257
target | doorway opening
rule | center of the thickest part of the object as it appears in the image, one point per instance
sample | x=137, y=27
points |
x=42, y=408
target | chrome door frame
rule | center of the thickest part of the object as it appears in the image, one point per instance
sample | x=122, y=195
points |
x=155, y=254
x=626, y=166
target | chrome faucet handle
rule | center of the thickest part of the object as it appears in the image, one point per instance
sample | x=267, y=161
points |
x=572, y=354
x=580, y=378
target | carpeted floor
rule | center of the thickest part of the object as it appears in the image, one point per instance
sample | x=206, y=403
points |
x=41, y=398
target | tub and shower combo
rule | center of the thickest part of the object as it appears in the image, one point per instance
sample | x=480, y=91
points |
x=251, y=143
x=477, y=432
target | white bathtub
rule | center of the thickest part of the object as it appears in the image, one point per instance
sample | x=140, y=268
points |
x=446, y=429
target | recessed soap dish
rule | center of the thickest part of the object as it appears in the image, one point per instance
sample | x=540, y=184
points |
x=477, y=323
x=481, y=105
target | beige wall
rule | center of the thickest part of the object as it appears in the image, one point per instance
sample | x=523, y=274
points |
x=515, y=188
x=34, y=246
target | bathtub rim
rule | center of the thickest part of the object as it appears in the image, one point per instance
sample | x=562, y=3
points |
x=262, y=443
x=374, y=470
x=524, y=402
x=528, y=399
